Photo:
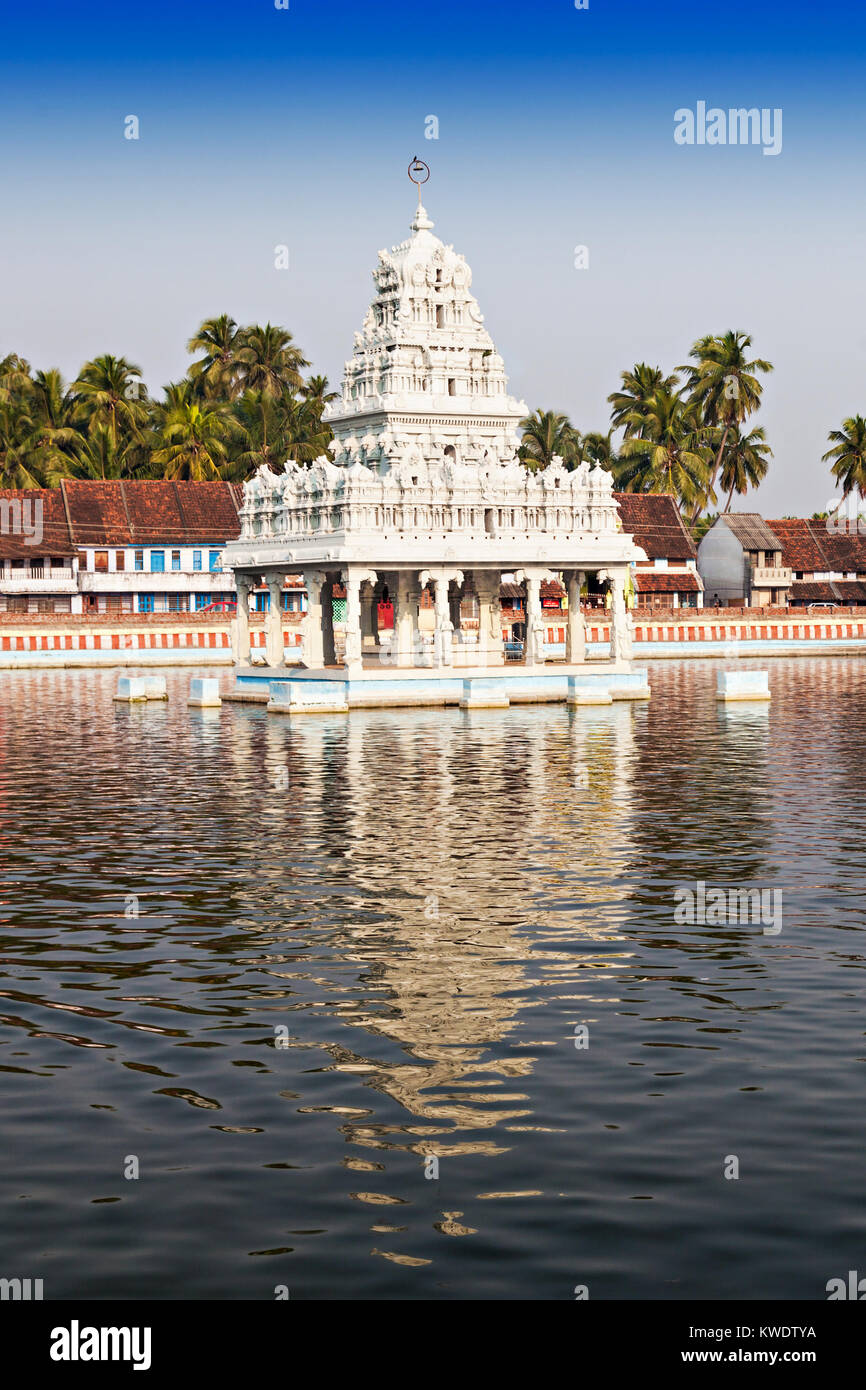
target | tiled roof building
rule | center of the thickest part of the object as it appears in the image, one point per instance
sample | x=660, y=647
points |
x=668, y=577
x=740, y=561
x=827, y=560
x=116, y=546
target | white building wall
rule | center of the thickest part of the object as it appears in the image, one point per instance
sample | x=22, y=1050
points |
x=185, y=582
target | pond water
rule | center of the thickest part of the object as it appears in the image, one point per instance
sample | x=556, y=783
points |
x=400, y=1004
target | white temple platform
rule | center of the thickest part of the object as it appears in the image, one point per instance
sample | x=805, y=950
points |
x=330, y=689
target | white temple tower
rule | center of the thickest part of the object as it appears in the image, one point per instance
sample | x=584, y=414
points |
x=424, y=491
x=424, y=375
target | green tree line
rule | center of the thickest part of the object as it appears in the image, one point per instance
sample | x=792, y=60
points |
x=243, y=402
x=689, y=432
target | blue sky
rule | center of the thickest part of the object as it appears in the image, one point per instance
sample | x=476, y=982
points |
x=262, y=127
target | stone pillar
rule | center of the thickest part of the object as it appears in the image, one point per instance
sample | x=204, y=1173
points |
x=353, y=577
x=314, y=643
x=441, y=579
x=368, y=620
x=532, y=652
x=329, y=641
x=490, y=650
x=405, y=618
x=620, y=623
x=274, y=655
x=534, y=648
x=444, y=625
x=241, y=625
x=575, y=646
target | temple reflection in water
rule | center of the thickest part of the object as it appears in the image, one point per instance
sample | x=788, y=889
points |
x=438, y=901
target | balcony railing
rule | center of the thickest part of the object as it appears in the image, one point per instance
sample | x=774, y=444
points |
x=8, y=572
x=770, y=576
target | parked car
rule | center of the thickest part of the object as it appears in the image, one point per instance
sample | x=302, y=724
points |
x=221, y=606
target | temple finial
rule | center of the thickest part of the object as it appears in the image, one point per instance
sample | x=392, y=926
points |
x=419, y=173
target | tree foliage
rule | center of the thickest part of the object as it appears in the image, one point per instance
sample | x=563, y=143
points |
x=244, y=402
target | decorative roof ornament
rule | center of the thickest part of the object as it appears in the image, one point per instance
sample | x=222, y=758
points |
x=419, y=173
x=417, y=167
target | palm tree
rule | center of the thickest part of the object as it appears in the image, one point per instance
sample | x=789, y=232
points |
x=745, y=463
x=109, y=392
x=274, y=431
x=192, y=443
x=17, y=469
x=269, y=360
x=99, y=455
x=546, y=433
x=270, y=363
x=308, y=434
x=597, y=448
x=262, y=437
x=216, y=373
x=724, y=384
x=316, y=388
x=670, y=454
x=175, y=395
x=14, y=376
x=52, y=439
x=849, y=455
x=631, y=404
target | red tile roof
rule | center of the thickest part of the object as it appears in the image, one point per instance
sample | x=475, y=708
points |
x=31, y=510
x=846, y=591
x=844, y=552
x=811, y=547
x=801, y=549
x=655, y=522
x=81, y=513
x=666, y=582
x=151, y=513
x=806, y=591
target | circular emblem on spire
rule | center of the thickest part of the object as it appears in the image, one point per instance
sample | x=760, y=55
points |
x=419, y=172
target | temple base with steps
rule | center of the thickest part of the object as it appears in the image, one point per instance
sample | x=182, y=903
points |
x=335, y=690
